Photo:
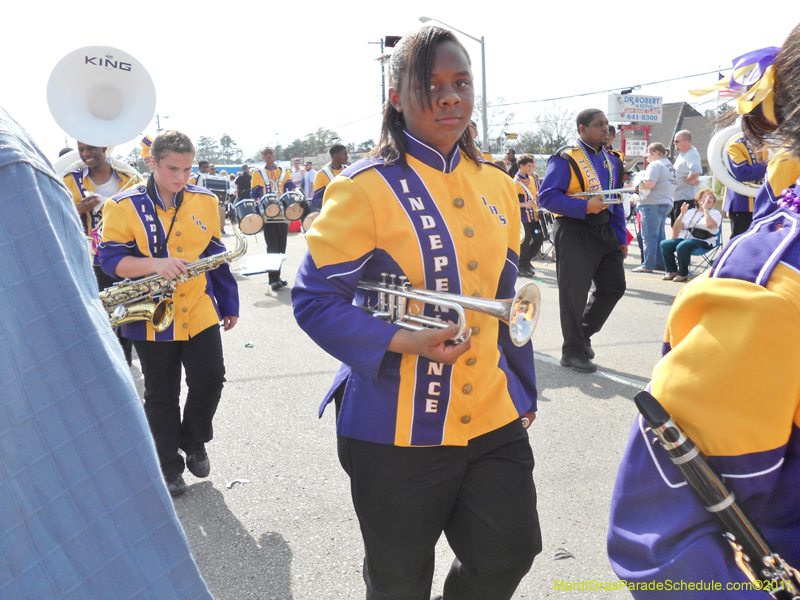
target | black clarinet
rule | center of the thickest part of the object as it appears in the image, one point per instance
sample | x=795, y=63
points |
x=751, y=551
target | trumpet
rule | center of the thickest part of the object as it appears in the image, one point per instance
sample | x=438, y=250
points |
x=521, y=312
x=604, y=193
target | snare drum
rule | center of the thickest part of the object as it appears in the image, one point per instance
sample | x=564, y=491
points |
x=247, y=215
x=270, y=206
x=292, y=203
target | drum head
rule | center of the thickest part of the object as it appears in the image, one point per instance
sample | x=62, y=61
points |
x=251, y=224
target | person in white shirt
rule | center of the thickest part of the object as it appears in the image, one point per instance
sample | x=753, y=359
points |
x=695, y=229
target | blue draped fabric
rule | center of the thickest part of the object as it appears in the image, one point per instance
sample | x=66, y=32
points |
x=84, y=512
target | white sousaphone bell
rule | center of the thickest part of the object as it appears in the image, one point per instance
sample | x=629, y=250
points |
x=101, y=96
x=718, y=160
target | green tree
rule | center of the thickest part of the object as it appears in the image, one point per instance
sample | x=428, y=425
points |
x=207, y=149
x=229, y=152
x=366, y=146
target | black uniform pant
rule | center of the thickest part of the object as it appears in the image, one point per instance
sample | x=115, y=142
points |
x=201, y=357
x=275, y=235
x=481, y=496
x=740, y=222
x=586, y=254
x=534, y=238
x=105, y=281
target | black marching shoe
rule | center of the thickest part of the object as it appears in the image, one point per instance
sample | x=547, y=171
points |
x=587, y=350
x=578, y=363
x=275, y=285
x=176, y=486
x=283, y=282
x=198, y=463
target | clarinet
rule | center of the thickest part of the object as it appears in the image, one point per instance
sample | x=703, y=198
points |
x=752, y=553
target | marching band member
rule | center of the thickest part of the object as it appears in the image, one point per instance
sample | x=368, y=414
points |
x=159, y=229
x=590, y=236
x=739, y=320
x=473, y=128
x=429, y=433
x=199, y=178
x=326, y=174
x=783, y=169
x=746, y=165
x=90, y=186
x=527, y=191
x=272, y=179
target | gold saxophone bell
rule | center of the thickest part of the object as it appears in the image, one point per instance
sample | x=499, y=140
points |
x=521, y=312
x=159, y=314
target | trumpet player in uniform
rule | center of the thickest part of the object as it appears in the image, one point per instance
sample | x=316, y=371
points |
x=272, y=179
x=160, y=229
x=739, y=318
x=429, y=433
x=90, y=186
x=590, y=236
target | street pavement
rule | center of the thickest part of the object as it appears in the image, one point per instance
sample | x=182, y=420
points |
x=287, y=529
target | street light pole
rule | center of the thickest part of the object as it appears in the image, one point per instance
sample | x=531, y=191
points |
x=483, y=75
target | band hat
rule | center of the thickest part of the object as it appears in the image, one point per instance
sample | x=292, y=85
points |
x=101, y=96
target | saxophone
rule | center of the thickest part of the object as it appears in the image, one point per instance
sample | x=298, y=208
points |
x=133, y=300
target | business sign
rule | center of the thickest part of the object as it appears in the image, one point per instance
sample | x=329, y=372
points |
x=635, y=147
x=639, y=109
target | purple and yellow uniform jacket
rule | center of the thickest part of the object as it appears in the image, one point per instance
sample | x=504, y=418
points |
x=527, y=190
x=729, y=378
x=136, y=223
x=321, y=180
x=80, y=185
x=748, y=166
x=569, y=173
x=782, y=172
x=276, y=180
x=448, y=225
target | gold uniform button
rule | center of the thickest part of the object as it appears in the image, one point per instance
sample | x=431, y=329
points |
x=185, y=309
x=182, y=295
x=459, y=203
x=465, y=420
x=467, y=389
x=476, y=295
x=473, y=265
x=476, y=330
x=178, y=233
x=471, y=362
x=180, y=249
x=186, y=326
x=469, y=232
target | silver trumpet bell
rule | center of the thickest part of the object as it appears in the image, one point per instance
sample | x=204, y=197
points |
x=521, y=313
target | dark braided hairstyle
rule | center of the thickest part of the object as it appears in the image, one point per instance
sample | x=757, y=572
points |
x=787, y=101
x=413, y=56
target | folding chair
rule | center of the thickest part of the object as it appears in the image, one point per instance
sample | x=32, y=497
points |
x=707, y=257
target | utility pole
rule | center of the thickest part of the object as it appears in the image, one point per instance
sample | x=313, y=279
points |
x=158, y=122
x=382, y=58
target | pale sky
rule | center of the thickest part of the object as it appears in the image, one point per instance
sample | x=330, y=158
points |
x=264, y=72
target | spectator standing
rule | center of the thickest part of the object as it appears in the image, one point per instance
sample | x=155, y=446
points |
x=655, y=207
x=308, y=179
x=688, y=169
x=297, y=173
x=243, y=183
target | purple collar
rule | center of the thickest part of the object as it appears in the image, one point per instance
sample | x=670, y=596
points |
x=431, y=156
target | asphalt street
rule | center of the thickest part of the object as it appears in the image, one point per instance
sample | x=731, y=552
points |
x=287, y=530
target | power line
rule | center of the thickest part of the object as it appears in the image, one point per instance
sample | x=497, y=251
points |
x=606, y=91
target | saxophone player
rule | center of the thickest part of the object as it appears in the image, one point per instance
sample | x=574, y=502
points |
x=159, y=229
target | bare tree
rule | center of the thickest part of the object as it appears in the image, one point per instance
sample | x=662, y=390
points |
x=498, y=120
x=555, y=127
